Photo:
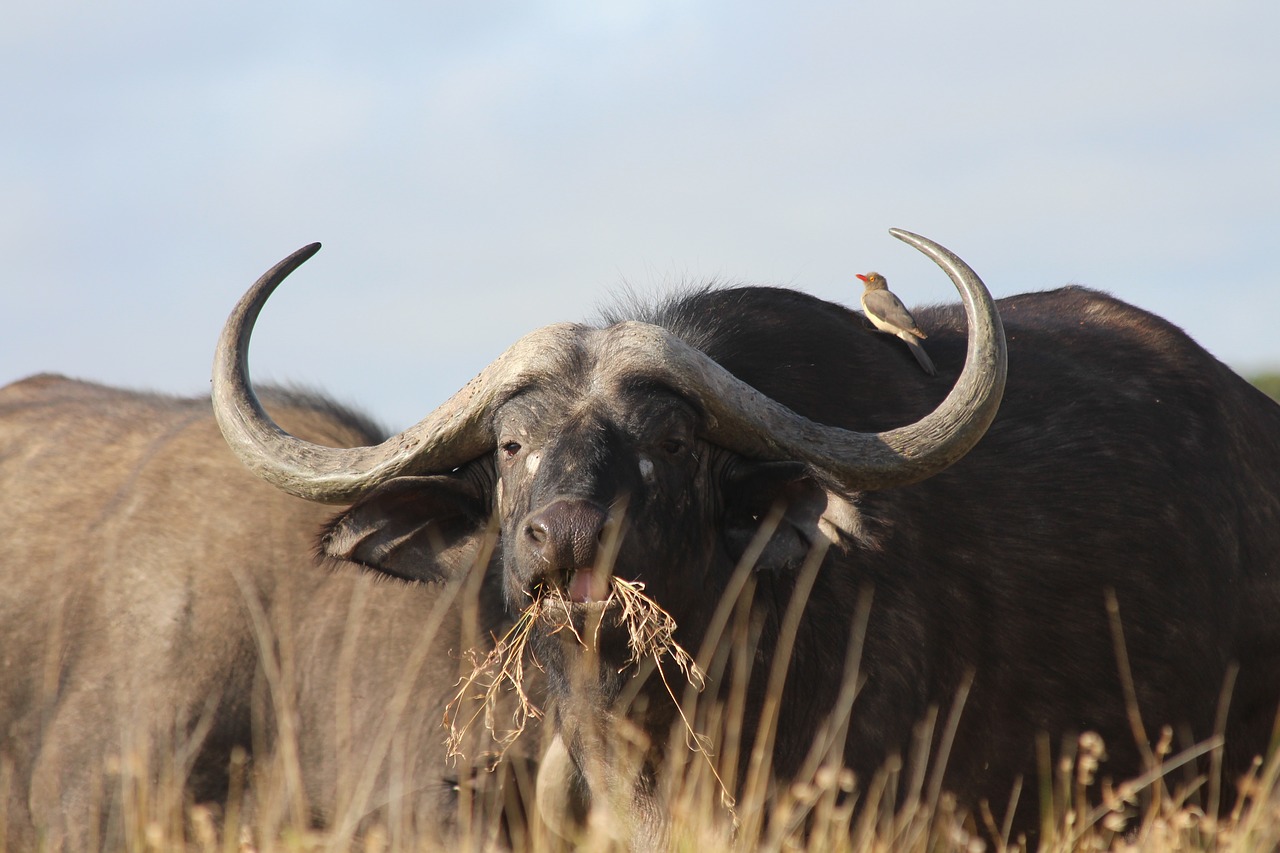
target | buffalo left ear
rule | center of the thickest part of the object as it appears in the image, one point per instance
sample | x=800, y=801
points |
x=810, y=513
x=413, y=528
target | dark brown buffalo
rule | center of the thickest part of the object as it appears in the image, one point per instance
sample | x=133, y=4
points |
x=155, y=598
x=1124, y=462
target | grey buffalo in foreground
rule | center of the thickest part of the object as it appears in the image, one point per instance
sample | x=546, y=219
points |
x=849, y=547
x=162, y=616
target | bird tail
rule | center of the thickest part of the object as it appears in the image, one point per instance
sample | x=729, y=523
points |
x=926, y=363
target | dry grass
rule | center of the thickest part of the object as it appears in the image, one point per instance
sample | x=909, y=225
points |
x=827, y=812
x=501, y=669
x=828, y=809
x=650, y=632
x=901, y=808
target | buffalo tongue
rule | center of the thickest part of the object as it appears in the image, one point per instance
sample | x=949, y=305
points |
x=589, y=585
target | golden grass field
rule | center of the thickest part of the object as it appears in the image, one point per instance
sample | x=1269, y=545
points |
x=903, y=808
x=824, y=813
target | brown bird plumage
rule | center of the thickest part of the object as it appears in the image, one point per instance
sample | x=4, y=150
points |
x=887, y=313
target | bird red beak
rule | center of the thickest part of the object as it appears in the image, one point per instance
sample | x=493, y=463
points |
x=860, y=276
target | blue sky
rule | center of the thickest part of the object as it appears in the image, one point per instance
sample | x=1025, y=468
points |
x=476, y=170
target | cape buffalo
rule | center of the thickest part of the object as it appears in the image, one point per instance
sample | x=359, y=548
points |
x=1125, y=465
x=155, y=598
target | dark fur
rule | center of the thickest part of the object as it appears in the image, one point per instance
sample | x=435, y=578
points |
x=1124, y=458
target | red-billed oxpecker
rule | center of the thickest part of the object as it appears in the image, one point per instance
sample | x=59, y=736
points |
x=887, y=313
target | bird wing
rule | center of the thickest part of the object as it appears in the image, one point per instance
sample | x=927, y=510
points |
x=889, y=309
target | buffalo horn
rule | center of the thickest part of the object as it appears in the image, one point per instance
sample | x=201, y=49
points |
x=744, y=420
x=738, y=417
x=456, y=432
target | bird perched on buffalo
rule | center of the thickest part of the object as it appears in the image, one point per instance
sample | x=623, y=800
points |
x=887, y=313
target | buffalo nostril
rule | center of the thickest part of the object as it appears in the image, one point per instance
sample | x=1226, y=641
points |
x=536, y=532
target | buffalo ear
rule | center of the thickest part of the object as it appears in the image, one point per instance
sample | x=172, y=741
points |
x=413, y=528
x=810, y=513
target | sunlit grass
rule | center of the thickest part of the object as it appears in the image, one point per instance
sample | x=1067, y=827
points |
x=828, y=812
x=717, y=783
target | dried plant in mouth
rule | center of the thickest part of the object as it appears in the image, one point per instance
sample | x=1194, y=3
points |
x=651, y=631
x=650, y=635
x=502, y=667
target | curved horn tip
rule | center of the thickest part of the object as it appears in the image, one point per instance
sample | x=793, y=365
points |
x=940, y=254
x=305, y=252
x=278, y=273
x=912, y=238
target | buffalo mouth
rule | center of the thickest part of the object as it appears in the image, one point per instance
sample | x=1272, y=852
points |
x=577, y=601
x=618, y=620
x=574, y=587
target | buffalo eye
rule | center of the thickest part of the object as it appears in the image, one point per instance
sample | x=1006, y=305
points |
x=509, y=449
x=672, y=446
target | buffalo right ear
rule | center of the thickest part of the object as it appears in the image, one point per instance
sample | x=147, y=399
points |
x=810, y=512
x=414, y=528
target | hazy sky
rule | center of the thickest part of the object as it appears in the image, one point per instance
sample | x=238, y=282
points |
x=479, y=169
